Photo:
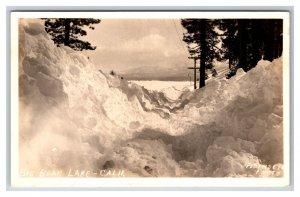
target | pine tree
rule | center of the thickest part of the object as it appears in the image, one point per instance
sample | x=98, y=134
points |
x=229, y=40
x=201, y=39
x=66, y=31
x=273, y=42
x=246, y=41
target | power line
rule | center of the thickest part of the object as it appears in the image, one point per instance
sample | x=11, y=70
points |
x=179, y=37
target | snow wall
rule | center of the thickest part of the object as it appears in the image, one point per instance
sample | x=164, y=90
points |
x=74, y=116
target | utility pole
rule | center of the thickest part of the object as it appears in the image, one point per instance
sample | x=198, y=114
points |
x=195, y=70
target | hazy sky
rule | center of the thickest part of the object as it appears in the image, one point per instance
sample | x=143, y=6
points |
x=140, y=48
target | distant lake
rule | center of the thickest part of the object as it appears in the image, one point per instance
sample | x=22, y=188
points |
x=161, y=85
x=171, y=89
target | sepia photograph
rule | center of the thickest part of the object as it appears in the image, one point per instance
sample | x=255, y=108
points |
x=150, y=98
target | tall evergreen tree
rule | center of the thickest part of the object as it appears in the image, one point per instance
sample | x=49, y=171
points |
x=273, y=41
x=236, y=42
x=66, y=31
x=202, y=40
x=246, y=41
x=229, y=40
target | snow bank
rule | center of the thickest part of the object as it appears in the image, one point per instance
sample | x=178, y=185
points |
x=72, y=115
x=248, y=110
x=69, y=106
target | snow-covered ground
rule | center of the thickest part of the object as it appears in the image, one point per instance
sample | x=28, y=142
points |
x=171, y=89
x=74, y=116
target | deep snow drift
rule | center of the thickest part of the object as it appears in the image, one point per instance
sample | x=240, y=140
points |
x=73, y=116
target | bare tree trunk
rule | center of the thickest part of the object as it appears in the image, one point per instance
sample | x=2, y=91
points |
x=67, y=32
x=255, y=42
x=242, y=44
x=195, y=74
x=203, y=52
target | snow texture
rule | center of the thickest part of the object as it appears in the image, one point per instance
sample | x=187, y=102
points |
x=72, y=115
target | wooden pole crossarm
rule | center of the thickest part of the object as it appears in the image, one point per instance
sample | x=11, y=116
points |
x=194, y=58
x=193, y=68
